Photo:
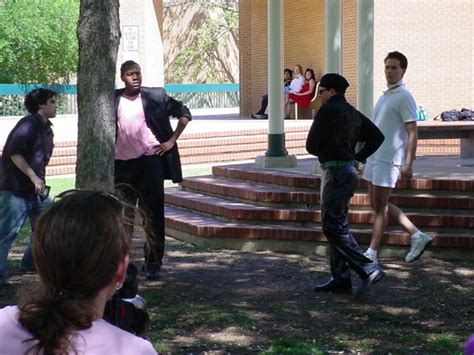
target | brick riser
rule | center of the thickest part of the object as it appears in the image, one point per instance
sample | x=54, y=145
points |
x=271, y=195
x=301, y=180
x=202, y=226
x=246, y=212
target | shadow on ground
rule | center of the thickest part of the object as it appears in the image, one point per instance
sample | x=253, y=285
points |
x=221, y=301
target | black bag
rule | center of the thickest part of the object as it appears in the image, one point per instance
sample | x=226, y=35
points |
x=466, y=115
x=121, y=310
x=450, y=115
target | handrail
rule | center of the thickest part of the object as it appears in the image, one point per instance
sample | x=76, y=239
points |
x=23, y=89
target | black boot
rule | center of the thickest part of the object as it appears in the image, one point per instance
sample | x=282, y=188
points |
x=334, y=286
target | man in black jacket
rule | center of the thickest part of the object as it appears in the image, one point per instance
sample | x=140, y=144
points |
x=146, y=153
x=333, y=136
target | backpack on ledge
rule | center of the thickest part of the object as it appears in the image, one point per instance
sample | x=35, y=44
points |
x=466, y=115
x=449, y=116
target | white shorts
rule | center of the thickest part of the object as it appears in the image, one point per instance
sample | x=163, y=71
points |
x=381, y=173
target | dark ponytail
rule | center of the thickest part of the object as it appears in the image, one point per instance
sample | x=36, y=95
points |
x=53, y=322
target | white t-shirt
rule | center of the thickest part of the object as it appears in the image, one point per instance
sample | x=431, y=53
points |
x=296, y=83
x=393, y=110
x=102, y=338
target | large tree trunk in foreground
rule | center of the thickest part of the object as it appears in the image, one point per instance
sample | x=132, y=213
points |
x=98, y=32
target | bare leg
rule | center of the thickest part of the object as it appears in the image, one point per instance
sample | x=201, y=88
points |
x=379, y=200
x=396, y=216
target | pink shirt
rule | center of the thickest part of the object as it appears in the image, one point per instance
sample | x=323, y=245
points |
x=134, y=137
x=101, y=338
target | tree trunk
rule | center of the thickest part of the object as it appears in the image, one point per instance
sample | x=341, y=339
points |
x=98, y=32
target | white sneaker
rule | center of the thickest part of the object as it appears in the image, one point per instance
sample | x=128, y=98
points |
x=371, y=257
x=418, y=246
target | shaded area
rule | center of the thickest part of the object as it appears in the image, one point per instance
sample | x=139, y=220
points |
x=222, y=301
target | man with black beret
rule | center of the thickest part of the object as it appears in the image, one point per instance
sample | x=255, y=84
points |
x=333, y=136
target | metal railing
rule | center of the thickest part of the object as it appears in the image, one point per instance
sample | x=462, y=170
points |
x=193, y=95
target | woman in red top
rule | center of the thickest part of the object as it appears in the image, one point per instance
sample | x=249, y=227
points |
x=304, y=96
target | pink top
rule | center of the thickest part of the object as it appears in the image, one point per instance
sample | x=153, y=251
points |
x=134, y=137
x=101, y=338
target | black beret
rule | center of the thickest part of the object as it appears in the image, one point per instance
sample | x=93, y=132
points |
x=334, y=81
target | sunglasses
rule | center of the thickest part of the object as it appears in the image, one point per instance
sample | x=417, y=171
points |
x=86, y=192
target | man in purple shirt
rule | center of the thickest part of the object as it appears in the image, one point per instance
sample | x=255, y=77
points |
x=23, y=193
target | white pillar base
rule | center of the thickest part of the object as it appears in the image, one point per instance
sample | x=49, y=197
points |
x=263, y=161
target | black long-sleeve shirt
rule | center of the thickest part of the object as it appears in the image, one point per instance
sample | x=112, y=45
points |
x=337, y=128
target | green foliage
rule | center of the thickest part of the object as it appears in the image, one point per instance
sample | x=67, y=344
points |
x=38, y=41
x=204, y=49
x=446, y=342
x=293, y=347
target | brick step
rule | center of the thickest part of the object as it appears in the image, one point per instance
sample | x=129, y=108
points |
x=62, y=160
x=239, y=211
x=183, y=221
x=270, y=195
x=60, y=170
x=249, y=173
x=253, y=143
x=245, y=147
x=237, y=140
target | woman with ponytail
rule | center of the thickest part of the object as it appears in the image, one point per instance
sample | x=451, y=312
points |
x=81, y=250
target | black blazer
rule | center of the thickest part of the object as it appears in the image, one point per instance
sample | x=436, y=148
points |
x=158, y=107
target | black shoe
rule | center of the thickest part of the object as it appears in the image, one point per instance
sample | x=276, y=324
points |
x=152, y=275
x=373, y=278
x=334, y=286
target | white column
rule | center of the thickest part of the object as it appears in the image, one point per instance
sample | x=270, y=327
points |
x=275, y=66
x=333, y=36
x=365, y=57
x=276, y=154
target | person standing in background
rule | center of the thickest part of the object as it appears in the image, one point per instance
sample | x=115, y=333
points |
x=23, y=193
x=146, y=154
x=395, y=116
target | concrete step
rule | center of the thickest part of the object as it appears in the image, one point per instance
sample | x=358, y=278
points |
x=242, y=212
x=271, y=195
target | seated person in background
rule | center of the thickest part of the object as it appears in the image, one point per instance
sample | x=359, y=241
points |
x=287, y=76
x=81, y=249
x=305, y=95
x=296, y=84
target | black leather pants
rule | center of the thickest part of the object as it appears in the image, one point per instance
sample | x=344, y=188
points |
x=337, y=188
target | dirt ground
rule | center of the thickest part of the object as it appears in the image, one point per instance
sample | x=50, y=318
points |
x=231, y=302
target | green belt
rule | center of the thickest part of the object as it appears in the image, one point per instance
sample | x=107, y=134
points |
x=336, y=163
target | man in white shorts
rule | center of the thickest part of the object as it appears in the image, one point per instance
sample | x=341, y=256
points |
x=395, y=116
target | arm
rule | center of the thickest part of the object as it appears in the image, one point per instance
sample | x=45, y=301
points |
x=316, y=132
x=310, y=91
x=410, y=151
x=169, y=144
x=371, y=136
x=21, y=164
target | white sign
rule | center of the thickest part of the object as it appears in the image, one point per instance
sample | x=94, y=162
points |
x=130, y=38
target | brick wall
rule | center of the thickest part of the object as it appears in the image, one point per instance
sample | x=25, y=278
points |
x=303, y=44
x=437, y=38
